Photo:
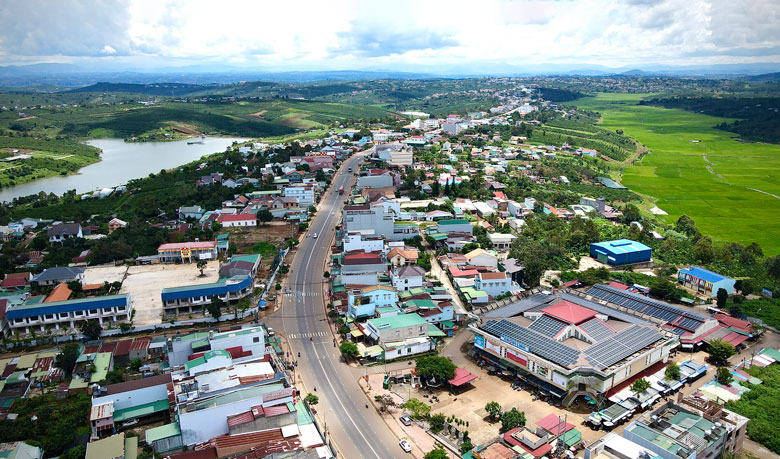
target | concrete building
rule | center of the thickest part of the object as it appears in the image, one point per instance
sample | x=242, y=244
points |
x=363, y=302
x=362, y=268
x=304, y=194
x=358, y=242
x=63, y=231
x=113, y=447
x=481, y=257
x=237, y=220
x=63, y=315
x=454, y=226
x=407, y=277
x=369, y=220
x=501, y=242
x=597, y=203
x=705, y=282
x=402, y=158
x=181, y=252
x=620, y=252
x=495, y=283
x=115, y=223
x=192, y=298
x=375, y=181
x=248, y=340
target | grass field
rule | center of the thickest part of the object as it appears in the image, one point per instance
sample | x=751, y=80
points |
x=730, y=188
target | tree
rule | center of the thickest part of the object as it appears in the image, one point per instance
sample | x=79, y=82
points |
x=416, y=408
x=91, y=329
x=772, y=266
x=135, y=365
x=115, y=376
x=215, y=307
x=672, y=372
x=348, y=349
x=438, y=368
x=720, y=350
x=493, y=409
x=436, y=422
x=77, y=452
x=326, y=274
x=722, y=297
x=631, y=213
x=511, y=419
x=703, y=250
x=201, y=265
x=724, y=376
x=265, y=216
x=437, y=453
x=686, y=225
x=640, y=385
x=311, y=399
x=735, y=310
x=66, y=359
x=466, y=446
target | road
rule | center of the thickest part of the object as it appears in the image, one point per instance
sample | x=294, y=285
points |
x=358, y=432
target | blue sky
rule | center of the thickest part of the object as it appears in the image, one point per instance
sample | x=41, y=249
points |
x=398, y=34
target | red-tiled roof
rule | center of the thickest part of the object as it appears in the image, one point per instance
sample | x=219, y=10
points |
x=569, y=312
x=457, y=272
x=236, y=218
x=276, y=410
x=241, y=418
x=735, y=338
x=108, y=347
x=492, y=276
x=25, y=275
x=13, y=282
x=60, y=293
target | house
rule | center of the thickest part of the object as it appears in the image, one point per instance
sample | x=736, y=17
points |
x=399, y=257
x=407, y=277
x=293, y=177
x=63, y=315
x=458, y=225
x=113, y=447
x=242, y=220
x=195, y=212
x=115, y=223
x=362, y=268
x=63, y=231
x=501, y=241
x=514, y=269
x=59, y=275
x=481, y=257
x=705, y=282
x=400, y=335
x=360, y=243
x=495, y=283
x=20, y=450
x=180, y=252
x=483, y=209
x=304, y=194
x=15, y=281
x=620, y=252
x=369, y=220
x=365, y=301
x=193, y=298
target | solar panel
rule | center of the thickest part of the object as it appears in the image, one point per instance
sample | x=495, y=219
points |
x=597, y=329
x=537, y=343
x=547, y=326
x=644, y=305
x=621, y=345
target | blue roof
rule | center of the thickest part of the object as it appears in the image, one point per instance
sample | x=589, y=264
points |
x=217, y=288
x=609, y=183
x=57, y=307
x=622, y=246
x=704, y=274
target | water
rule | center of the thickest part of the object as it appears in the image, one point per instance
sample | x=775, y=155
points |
x=122, y=161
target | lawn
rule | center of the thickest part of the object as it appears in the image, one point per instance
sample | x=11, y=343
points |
x=724, y=184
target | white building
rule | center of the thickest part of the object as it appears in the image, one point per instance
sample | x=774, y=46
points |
x=402, y=157
x=355, y=242
x=56, y=315
x=501, y=242
x=407, y=277
x=304, y=194
x=494, y=284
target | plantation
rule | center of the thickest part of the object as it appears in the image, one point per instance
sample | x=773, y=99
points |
x=730, y=188
x=761, y=405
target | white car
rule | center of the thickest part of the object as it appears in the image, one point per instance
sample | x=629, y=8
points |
x=405, y=446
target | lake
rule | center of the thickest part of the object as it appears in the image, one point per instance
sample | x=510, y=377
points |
x=122, y=161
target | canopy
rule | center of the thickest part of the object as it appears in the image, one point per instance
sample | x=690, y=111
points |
x=572, y=437
x=462, y=376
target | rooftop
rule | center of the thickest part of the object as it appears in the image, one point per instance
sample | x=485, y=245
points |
x=704, y=274
x=569, y=312
x=397, y=321
x=622, y=246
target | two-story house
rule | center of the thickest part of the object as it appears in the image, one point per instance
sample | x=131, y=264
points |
x=407, y=277
x=63, y=231
x=363, y=302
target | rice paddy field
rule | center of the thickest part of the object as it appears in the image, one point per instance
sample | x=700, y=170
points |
x=729, y=187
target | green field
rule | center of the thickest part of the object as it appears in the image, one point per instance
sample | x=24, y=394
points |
x=700, y=171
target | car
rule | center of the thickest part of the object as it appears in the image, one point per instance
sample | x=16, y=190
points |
x=130, y=422
x=315, y=236
x=405, y=446
x=406, y=420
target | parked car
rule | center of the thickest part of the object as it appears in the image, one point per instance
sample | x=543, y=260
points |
x=405, y=446
x=129, y=423
x=406, y=420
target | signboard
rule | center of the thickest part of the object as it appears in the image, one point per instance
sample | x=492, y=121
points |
x=542, y=371
x=516, y=358
x=493, y=348
x=515, y=343
x=479, y=341
x=185, y=252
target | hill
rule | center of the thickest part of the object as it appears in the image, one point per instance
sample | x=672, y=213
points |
x=155, y=89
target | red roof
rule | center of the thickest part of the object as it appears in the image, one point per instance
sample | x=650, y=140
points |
x=462, y=376
x=361, y=259
x=123, y=347
x=207, y=453
x=538, y=452
x=188, y=245
x=3, y=306
x=554, y=425
x=619, y=285
x=735, y=338
x=276, y=410
x=140, y=343
x=136, y=384
x=492, y=276
x=236, y=217
x=242, y=418
x=13, y=282
x=238, y=352
x=569, y=312
x=457, y=272
x=734, y=322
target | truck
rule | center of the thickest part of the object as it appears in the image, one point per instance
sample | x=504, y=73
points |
x=341, y=189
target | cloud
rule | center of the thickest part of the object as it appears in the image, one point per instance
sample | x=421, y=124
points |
x=385, y=41
x=108, y=50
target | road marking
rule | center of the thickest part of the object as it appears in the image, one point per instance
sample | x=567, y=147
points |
x=307, y=335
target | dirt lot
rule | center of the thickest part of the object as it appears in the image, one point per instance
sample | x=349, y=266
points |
x=244, y=238
x=145, y=284
x=104, y=273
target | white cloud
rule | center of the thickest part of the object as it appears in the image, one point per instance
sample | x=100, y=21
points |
x=366, y=33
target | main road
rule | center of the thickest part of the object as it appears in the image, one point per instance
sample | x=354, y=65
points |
x=358, y=431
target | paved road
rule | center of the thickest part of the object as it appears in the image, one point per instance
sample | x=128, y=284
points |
x=358, y=432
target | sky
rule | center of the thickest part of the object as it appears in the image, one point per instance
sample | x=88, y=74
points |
x=399, y=35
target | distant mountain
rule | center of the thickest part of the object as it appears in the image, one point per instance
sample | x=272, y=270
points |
x=638, y=73
x=764, y=77
x=154, y=89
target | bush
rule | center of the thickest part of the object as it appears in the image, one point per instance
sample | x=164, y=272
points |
x=511, y=419
x=761, y=405
x=436, y=422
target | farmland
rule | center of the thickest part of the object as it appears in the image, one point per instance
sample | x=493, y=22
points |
x=729, y=187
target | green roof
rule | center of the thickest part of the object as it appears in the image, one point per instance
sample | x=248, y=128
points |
x=434, y=331
x=572, y=437
x=208, y=355
x=397, y=321
x=16, y=377
x=384, y=309
x=77, y=383
x=200, y=343
x=165, y=431
x=447, y=324
x=192, y=336
x=422, y=304
x=101, y=363
x=303, y=414
x=141, y=410
x=252, y=258
x=471, y=292
x=131, y=447
x=186, y=288
x=107, y=448
x=244, y=331
x=438, y=236
x=223, y=236
x=26, y=361
x=774, y=353
x=453, y=221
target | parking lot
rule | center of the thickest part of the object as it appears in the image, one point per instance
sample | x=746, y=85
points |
x=145, y=283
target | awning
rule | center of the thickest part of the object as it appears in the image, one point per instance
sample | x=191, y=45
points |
x=371, y=351
x=356, y=333
x=572, y=437
x=462, y=376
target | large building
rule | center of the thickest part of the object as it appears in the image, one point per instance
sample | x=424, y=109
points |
x=704, y=282
x=369, y=220
x=192, y=298
x=569, y=346
x=180, y=252
x=620, y=252
x=57, y=315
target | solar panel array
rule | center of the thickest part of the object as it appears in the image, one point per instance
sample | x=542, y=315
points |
x=621, y=345
x=547, y=326
x=537, y=343
x=644, y=305
x=597, y=329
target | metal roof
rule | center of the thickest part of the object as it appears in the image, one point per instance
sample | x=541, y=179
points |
x=220, y=287
x=57, y=307
x=704, y=274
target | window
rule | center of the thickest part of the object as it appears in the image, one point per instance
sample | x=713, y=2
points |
x=256, y=339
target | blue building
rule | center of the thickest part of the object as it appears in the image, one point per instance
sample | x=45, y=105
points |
x=620, y=252
x=704, y=282
x=193, y=298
